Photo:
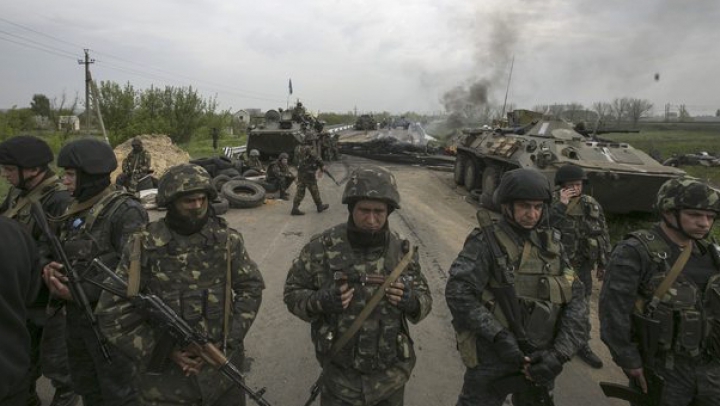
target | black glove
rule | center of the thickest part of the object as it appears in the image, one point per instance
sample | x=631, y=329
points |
x=544, y=366
x=506, y=347
x=326, y=300
x=409, y=302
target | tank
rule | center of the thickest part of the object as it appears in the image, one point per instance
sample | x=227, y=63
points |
x=623, y=179
x=279, y=132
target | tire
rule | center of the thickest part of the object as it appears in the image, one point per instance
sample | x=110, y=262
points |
x=490, y=178
x=230, y=172
x=219, y=181
x=251, y=172
x=220, y=205
x=471, y=175
x=459, y=170
x=243, y=194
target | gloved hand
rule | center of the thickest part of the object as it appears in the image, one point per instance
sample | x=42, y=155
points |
x=544, y=366
x=327, y=300
x=402, y=295
x=506, y=347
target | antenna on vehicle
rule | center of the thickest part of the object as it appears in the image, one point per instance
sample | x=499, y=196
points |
x=507, y=90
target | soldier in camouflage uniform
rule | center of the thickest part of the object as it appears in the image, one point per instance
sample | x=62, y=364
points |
x=308, y=165
x=192, y=260
x=376, y=363
x=24, y=161
x=135, y=167
x=97, y=224
x=688, y=341
x=585, y=237
x=279, y=174
x=515, y=261
x=253, y=162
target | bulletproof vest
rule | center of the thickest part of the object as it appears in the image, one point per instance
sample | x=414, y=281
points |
x=536, y=272
x=189, y=273
x=307, y=161
x=383, y=338
x=689, y=318
x=582, y=228
x=20, y=206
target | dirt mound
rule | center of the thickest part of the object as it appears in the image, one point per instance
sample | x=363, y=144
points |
x=163, y=153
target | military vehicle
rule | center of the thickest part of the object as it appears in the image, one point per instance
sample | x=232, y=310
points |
x=277, y=133
x=623, y=179
x=365, y=122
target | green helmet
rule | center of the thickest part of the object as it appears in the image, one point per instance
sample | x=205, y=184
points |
x=283, y=155
x=687, y=193
x=569, y=173
x=254, y=152
x=372, y=182
x=182, y=179
x=523, y=184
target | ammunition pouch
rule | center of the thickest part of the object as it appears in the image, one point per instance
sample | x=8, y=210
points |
x=467, y=347
x=540, y=322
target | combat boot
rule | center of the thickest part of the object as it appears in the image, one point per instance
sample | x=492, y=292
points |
x=322, y=207
x=284, y=196
x=588, y=356
x=296, y=211
x=64, y=397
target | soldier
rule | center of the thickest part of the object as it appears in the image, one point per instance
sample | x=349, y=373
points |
x=253, y=162
x=374, y=366
x=585, y=238
x=194, y=262
x=24, y=161
x=20, y=283
x=136, y=167
x=668, y=275
x=215, y=137
x=517, y=307
x=279, y=174
x=308, y=165
x=96, y=225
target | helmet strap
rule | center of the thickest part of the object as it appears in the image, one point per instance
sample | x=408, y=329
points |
x=678, y=225
x=23, y=181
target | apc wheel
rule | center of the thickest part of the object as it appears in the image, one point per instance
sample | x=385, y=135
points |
x=243, y=194
x=471, y=178
x=490, y=178
x=459, y=170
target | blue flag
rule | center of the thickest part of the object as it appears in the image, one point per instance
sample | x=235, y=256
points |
x=290, y=85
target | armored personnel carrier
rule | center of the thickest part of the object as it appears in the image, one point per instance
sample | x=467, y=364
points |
x=279, y=132
x=623, y=179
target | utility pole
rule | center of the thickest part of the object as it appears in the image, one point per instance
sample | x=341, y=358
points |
x=87, y=63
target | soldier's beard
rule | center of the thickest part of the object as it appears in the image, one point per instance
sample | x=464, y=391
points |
x=189, y=223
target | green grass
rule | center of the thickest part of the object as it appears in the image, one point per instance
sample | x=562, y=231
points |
x=202, y=147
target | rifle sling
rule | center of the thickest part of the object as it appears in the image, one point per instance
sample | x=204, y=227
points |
x=668, y=281
x=572, y=204
x=372, y=303
x=133, y=284
x=34, y=195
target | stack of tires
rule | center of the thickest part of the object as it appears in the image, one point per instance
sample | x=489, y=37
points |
x=236, y=192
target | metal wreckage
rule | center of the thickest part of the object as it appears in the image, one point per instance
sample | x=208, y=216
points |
x=623, y=179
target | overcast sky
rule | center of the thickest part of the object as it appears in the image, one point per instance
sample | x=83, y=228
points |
x=373, y=55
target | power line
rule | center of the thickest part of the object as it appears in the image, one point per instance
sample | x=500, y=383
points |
x=50, y=51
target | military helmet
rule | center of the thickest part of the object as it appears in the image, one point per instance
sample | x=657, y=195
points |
x=283, y=155
x=182, y=179
x=25, y=151
x=310, y=138
x=254, y=152
x=136, y=142
x=523, y=184
x=569, y=173
x=372, y=182
x=89, y=155
x=687, y=193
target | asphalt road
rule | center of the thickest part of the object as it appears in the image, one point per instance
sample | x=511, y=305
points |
x=435, y=216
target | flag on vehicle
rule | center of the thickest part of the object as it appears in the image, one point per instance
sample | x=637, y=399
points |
x=290, y=85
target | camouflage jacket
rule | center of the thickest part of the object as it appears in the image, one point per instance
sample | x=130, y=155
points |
x=136, y=164
x=189, y=274
x=473, y=273
x=584, y=231
x=308, y=162
x=278, y=170
x=633, y=272
x=383, y=342
x=254, y=163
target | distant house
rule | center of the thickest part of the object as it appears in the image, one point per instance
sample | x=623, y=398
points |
x=71, y=123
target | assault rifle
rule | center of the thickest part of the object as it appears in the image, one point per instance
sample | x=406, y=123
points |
x=325, y=171
x=183, y=335
x=73, y=279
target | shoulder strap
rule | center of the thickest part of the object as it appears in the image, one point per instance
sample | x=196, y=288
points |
x=35, y=195
x=667, y=282
x=133, y=285
x=572, y=204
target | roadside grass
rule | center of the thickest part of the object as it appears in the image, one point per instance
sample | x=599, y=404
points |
x=201, y=147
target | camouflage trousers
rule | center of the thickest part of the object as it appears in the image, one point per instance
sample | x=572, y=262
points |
x=48, y=350
x=690, y=382
x=310, y=184
x=348, y=387
x=584, y=270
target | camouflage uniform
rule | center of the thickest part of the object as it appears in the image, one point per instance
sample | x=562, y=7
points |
x=46, y=324
x=308, y=165
x=96, y=227
x=688, y=356
x=554, y=321
x=253, y=162
x=136, y=165
x=375, y=365
x=279, y=174
x=189, y=273
x=585, y=239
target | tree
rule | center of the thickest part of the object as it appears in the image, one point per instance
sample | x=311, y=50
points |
x=638, y=108
x=604, y=112
x=40, y=105
x=117, y=105
x=619, y=108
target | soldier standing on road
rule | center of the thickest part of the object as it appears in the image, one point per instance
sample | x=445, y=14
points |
x=279, y=174
x=24, y=161
x=674, y=251
x=585, y=237
x=334, y=278
x=136, y=166
x=517, y=306
x=308, y=165
x=194, y=262
x=96, y=225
